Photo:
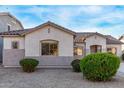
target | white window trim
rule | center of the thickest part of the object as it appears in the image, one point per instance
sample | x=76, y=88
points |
x=48, y=41
x=10, y=27
x=12, y=45
x=14, y=22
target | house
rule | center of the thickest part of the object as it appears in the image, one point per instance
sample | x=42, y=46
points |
x=54, y=45
x=122, y=40
x=7, y=23
x=93, y=42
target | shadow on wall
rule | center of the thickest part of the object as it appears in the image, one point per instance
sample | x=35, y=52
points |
x=1, y=48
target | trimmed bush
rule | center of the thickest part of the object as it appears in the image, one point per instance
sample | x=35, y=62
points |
x=122, y=57
x=99, y=66
x=110, y=53
x=76, y=65
x=28, y=64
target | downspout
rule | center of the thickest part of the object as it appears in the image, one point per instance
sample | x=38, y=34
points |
x=84, y=47
x=73, y=46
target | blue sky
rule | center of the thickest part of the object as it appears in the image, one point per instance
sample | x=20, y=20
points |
x=103, y=19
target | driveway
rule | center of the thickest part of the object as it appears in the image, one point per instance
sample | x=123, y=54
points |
x=52, y=78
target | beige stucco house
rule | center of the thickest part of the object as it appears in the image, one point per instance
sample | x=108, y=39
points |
x=122, y=40
x=8, y=22
x=54, y=45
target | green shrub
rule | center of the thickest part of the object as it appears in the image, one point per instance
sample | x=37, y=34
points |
x=76, y=65
x=28, y=64
x=110, y=53
x=99, y=66
x=123, y=56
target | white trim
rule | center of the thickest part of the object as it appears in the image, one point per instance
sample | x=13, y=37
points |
x=14, y=22
x=10, y=27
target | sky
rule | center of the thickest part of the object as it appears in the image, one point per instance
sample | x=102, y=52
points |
x=103, y=19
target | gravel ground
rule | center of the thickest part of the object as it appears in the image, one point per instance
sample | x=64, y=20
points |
x=52, y=78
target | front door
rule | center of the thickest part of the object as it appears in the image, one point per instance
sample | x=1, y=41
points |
x=95, y=48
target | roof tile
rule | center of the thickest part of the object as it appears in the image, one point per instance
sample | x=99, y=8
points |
x=79, y=37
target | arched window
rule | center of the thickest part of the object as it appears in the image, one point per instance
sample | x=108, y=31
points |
x=95, y=48
x=49, y=47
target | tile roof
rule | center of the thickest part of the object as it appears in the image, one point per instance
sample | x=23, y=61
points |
x=111, y=40
x=79, y=36
x=14, y=32
x=121, y=37
x=26, y=31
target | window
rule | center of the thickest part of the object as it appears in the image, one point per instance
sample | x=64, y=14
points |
x=95, y=48
x=15, y=44
x=112, y=50
x=78, y=51
x=49, y=47
x=8, y=27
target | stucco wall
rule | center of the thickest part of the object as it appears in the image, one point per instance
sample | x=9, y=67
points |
x=5, y=20
x=95, y=40
x=33, y=45
x=118, y=47
x=11, y=57
x=1, y=48
x=8, y=40
x=122, y=40
x=54, y=61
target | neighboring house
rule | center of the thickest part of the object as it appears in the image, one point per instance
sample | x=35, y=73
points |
x=93, y=42
x=54, y=45
x=122, y=40
x=8, y=23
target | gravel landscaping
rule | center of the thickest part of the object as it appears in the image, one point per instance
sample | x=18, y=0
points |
x=52, y=78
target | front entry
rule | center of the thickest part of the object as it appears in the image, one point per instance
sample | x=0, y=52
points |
x=95, y=48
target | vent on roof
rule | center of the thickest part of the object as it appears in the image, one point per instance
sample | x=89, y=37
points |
x=48, y=30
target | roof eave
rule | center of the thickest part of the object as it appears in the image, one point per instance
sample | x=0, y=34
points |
x=120, y=38
x=50, y=24
x=113, y=43
x=16, y=20
x=10, y=35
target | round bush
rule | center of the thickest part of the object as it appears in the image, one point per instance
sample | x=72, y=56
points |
x=28, y=64
x=99, y=66
x=76, y=65
x=110, y=53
